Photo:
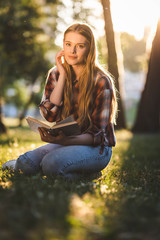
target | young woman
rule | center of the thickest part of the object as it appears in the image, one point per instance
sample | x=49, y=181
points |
x=78, y=87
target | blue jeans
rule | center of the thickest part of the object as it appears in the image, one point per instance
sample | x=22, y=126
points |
x=72, y=162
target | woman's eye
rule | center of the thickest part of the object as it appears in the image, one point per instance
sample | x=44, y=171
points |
x=81, y=46
x=68, y=44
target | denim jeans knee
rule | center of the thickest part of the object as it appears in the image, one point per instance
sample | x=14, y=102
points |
x=26, y=165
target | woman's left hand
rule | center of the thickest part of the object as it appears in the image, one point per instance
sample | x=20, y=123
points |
x=47, y=137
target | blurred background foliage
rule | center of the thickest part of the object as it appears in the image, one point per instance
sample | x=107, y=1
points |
x=134, y=52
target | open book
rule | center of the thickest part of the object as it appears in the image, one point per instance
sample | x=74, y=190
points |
x=68, y=126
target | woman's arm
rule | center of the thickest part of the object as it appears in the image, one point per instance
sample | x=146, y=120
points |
x=82, y=139
x=53, y=94
x=57, y=93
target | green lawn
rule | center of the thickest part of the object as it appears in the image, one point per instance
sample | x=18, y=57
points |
x=124, y=204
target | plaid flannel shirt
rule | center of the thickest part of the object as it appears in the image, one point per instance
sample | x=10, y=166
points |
x=101, y=129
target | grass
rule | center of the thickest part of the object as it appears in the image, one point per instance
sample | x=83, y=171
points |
x=123, y=204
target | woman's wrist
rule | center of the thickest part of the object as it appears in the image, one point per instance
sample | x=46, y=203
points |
x=97, y=140
x=62, y=76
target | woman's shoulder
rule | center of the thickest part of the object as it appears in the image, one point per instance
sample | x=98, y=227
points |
x=53, y=73
x=103, y=80
x=53, y=70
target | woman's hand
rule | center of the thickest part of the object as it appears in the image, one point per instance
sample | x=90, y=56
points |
x=82, y=139
x=46, y=136
x=59, y=64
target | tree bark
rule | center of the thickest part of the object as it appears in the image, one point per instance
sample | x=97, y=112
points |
x=3, y=128
x=24, y=111
x=112, y=60
x=148, y=114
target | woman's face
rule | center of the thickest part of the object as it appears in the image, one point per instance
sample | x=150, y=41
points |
x=75, y=48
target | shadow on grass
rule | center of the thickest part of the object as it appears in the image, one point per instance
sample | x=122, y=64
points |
x=124, y=204
x=134, y=204
x=36, y=207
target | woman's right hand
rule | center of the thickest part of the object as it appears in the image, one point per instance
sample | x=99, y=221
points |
x=56, y=96
x=59, y=64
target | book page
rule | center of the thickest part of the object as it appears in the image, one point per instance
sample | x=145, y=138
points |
x=34, y=124
x=66, y=120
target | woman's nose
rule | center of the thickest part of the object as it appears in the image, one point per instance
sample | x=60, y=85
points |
x=73, y=49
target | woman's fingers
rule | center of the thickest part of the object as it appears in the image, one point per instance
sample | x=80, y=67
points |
x=46, y=136
x=60, y=53
x=43, y=133
x=61, y=133
x=59, y=62
x=59, y=56
x=40, y=131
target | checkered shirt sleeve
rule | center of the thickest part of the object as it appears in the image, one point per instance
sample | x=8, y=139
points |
x=49, y=110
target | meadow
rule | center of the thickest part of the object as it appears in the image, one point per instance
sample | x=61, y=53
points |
x=122, y=204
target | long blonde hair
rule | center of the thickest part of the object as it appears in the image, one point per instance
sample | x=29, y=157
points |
x=86, y=81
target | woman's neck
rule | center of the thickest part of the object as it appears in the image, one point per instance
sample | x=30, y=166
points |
x=77, y=71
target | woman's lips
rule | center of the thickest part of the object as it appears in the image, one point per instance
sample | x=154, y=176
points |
x=72, y=57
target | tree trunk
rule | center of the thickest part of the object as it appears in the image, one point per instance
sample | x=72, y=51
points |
x=112, y=60
x=148, y=114
x=3, y=129
x=24, y=111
